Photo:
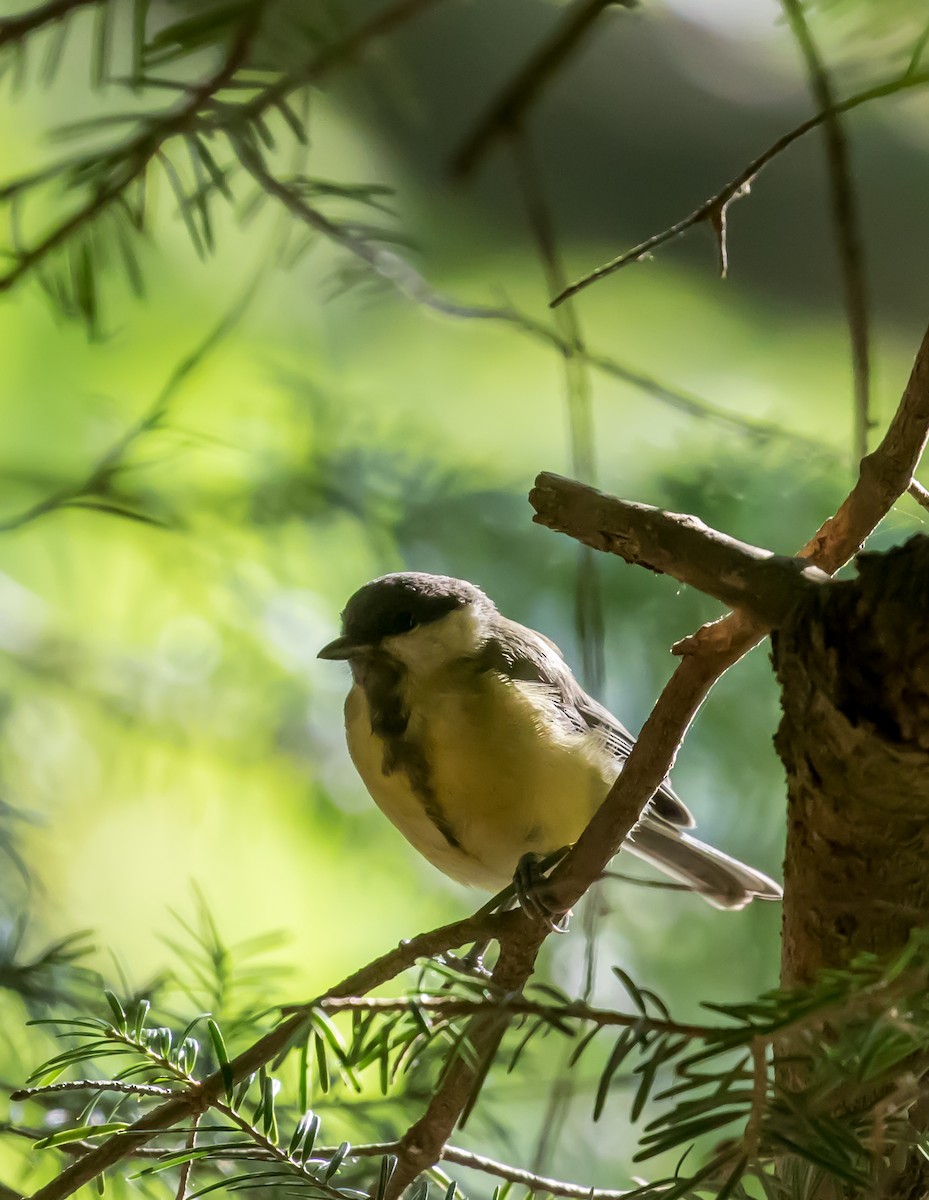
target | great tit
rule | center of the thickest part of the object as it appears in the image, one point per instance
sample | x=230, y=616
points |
x=475, y=739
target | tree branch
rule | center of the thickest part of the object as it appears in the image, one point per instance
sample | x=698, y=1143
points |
x=479, y=927
x=884, y=475
x=743, y=576
x=507, y=111
x=712, y=209
x=588, y=598
x=409, y=282
x=517, y=1005
x=847, y=225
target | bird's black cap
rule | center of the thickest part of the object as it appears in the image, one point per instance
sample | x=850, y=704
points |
x=395, y=604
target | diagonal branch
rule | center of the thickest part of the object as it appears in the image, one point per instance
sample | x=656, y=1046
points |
x=847, y=225
x=713, y=209
x=92, y=491
x=507, y=111
x=481, y=926
x=883, y=477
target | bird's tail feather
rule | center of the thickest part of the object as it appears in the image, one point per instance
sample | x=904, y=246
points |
x=722, y=881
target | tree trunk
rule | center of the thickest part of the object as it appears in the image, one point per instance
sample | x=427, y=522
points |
x=853, y=663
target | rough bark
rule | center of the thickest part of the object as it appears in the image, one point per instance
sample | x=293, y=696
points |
x=853, y=663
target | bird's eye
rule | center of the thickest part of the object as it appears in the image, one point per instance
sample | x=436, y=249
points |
x=404, y=622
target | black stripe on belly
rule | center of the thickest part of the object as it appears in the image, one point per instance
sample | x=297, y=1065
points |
x=382, y=683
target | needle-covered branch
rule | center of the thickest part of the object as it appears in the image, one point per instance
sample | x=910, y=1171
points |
x=765, y=584
x=381, y=970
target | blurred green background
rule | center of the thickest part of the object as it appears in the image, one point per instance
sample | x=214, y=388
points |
x=164, y=724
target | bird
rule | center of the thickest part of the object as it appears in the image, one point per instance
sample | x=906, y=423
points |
x=474, y=738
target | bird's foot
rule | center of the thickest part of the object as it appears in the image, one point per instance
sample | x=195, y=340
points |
x=530, y=882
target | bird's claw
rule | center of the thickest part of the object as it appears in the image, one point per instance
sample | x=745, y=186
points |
x=529, y=882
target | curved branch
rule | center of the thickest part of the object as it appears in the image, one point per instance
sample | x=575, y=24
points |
x=381, y=970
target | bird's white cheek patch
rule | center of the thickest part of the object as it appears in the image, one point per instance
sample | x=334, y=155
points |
x=429, y=647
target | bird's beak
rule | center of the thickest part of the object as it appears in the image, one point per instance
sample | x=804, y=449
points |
x=342, y=648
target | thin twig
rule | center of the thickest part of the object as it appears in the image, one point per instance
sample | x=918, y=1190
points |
x=406, y=280
x=847, y=226
x=454, y=1006
x=183, y=1178
x=540, y=1184
x=588, y=599
x=740, y=186
x=506, y=112
x=95, y=1085
x=919, y=493
x=89, y=491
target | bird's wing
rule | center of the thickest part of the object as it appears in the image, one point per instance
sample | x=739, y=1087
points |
x=527, y=657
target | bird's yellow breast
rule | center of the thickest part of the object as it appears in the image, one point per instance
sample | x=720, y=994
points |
x=498, y=774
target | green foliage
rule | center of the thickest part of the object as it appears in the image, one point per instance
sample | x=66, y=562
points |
x=827, y=1074
x=206, y=108
x=239, y=112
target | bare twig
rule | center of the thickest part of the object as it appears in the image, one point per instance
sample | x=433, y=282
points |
x=535, y=1183
x=506, y=112
x=847, y=225
x=711, y=209
x=588, y=600
x=183, y=1176
x=740, y=575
